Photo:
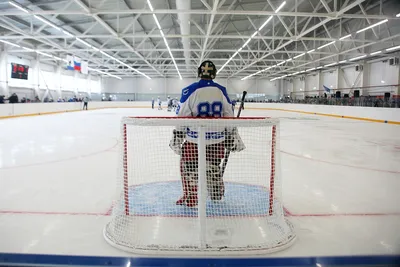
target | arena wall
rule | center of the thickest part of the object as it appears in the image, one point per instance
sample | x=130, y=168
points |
x=388, y=115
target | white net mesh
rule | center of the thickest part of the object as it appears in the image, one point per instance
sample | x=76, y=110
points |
x=189, y=202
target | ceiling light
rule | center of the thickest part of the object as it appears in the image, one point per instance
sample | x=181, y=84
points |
x=7, y=42
x=355, y=58
x=290, y=59
x=67, y=33
x=246, y=43
x=320, y=67
x=373, y=25
x=345, y=37
x=393, y=48
x=343, y=61
x=158, y=23
x=56, y=58
x=375, y=53
x=28, y=49
x=382, y=81
x=165, y=41
x=295, y=73
x=398, y=15
x=310, y=69
x=47, y=22
x=331, y=64
x=299, y=56
x=83, y=42
x=44, y=54
x=18, y=6
x=310, y=51
x=150, y=6
x=265, y=23
x=280, y=63
x=325, y=45
x=280, y=7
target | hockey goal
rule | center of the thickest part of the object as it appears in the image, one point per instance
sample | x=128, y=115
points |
x=246, y=218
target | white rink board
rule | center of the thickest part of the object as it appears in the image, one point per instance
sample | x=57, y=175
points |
x=57, y=180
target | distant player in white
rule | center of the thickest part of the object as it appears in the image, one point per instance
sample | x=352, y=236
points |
x=204, y=98
x=169, y=103
x=159, y=103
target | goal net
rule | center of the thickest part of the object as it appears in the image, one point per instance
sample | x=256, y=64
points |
x=201, y=199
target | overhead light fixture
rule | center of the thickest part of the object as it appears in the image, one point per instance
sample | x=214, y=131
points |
x=280, y=63
x=310, y=69
x=355, y=58
x=325, y=45
x=57, y=58
x=157, y=22
x=254, y=34
x=280, y=7
x=67, y=33
x=165, y=40
x=299, y=56
x=246, y=43
x=382, y=81
x=345, y=37
x=265, y=23
x=9, y=43
x=44, y=54
x=398, y=15
x=28, y=49
x=320, y=67
x=393, y=48
x=310, y=51
x=150, y=6
x=343, y=61
x=375, y=53
x=47, y=22
x=18, y=6
x=83, y=42
x=290, y=59
x=331, y=64
x=373, y=25
x=296, y=73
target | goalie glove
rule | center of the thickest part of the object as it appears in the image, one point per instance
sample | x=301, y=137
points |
x=176, y=142
x=233, y=141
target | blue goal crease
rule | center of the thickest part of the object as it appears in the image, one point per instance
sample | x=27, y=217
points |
x=158, y=199
x=15, y=259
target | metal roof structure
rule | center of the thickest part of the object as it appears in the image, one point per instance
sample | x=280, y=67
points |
x=169, y=38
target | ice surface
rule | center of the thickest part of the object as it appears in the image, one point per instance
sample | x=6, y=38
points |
x=341, y=180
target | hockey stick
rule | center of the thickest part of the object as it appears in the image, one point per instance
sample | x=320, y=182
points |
x=228, y=152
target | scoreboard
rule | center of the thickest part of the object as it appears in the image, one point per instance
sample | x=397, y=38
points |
x=19, y=71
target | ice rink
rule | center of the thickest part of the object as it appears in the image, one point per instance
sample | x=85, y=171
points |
x=341, y=182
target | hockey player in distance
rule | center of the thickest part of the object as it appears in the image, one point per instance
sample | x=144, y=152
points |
x=159, y=103
x=204, y=98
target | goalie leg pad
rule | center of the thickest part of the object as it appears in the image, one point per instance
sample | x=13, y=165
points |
x=215, y=183
x=189, y=184
x=189, y=173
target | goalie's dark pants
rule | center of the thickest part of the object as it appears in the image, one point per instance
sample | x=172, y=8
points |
x=189, y=171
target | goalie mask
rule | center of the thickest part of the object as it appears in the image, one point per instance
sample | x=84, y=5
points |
x=207, y=70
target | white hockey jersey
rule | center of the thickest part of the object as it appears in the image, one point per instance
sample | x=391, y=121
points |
x=205, y=99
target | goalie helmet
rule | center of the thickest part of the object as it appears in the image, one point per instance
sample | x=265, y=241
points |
x=207, y=70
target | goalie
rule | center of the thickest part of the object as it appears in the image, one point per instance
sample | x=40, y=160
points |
x=204, y=98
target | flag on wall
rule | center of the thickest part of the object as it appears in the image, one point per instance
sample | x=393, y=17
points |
x=326, y=89
x=70, y=62
x=77, y=63
x=84, y=67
